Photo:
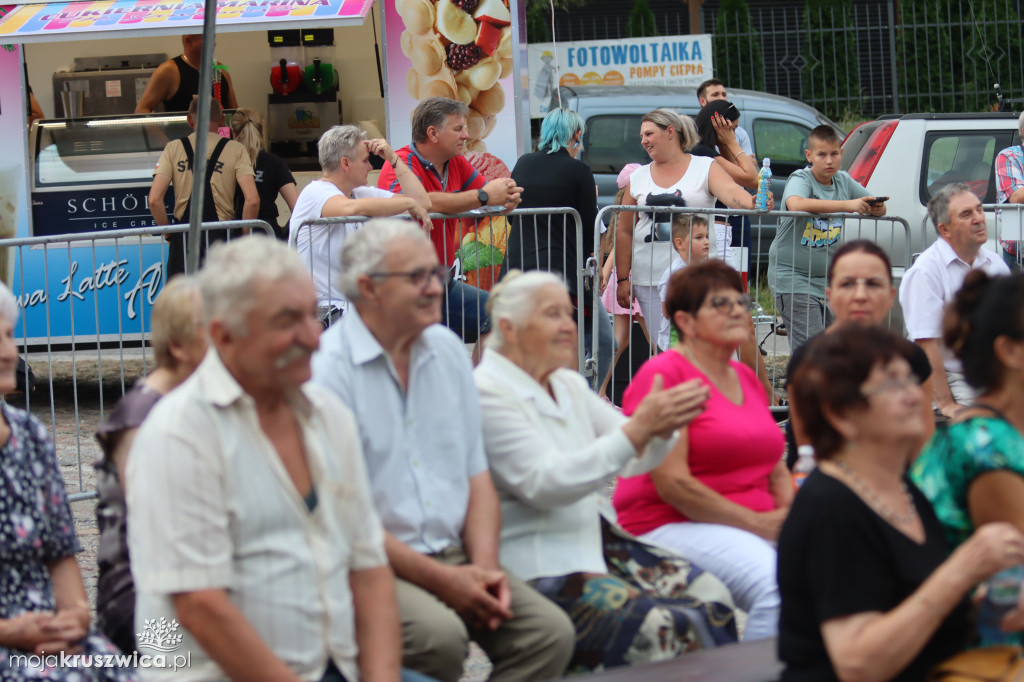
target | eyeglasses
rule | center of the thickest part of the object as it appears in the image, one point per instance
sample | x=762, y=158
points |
x=724, y=304
x=419, y=277
x=904, y=384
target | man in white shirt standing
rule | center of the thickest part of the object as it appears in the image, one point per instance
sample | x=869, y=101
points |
x=410, y=383
x=935, y=277
x=251, y=525
x=344, y=155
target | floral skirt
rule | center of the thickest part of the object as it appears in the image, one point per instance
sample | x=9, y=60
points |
x=651, y=606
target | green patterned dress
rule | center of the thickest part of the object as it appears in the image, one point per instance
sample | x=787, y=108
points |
x=955, y=456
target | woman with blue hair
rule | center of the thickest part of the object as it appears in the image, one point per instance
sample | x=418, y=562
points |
x=553, y=177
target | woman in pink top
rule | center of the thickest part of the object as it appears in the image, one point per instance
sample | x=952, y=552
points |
x=720, y=496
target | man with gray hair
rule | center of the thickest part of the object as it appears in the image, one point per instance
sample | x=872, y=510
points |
x=247, y=473
x=1010, y=190
x=440, y=129
x=342, y=191
x=410, y=384
x=935, y=277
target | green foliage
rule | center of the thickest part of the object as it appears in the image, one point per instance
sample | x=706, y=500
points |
x=831, y=75
x=923, y=52
x=738, y=58
x=992, y=49
x=641, y=21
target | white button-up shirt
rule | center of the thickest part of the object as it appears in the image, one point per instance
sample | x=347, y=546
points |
x=930, y=284
x=210, y=506
x=550, y=461
x=422, y=444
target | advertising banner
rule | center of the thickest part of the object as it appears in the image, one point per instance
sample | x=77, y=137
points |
x=672, y=60
x=29, y=23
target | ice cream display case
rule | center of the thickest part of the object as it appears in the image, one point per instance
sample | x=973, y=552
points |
x=94, y=174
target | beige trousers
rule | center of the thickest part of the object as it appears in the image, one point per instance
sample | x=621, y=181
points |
x=535, y=645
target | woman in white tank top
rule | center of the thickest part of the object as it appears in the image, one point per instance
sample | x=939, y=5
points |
x=643, y=248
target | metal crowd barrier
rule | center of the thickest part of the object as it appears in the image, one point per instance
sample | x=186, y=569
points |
x=475, y=246
x=91, y=293
x=636, y=334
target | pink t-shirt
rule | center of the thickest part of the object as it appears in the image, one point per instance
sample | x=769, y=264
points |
x=733, y=448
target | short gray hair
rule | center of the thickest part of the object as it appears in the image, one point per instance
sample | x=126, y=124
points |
x=1020, y=121
x=365, y=249
x=938, y=206
x=337, y=143
x=435, y=112
x=225, y=281
x=514, y=298
x=8, y=304
x=684, y=126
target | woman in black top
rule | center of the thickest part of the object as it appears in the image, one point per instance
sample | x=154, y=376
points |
x=552, y=177
x=272, y=175
x=868, y=592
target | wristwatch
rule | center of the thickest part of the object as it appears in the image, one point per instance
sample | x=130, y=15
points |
x=482, y=196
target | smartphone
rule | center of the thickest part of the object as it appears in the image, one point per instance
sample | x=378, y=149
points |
x=875, y=201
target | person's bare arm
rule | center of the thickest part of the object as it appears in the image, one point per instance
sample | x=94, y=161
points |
x=1017, y=197
x=483, y=522
x=251, y=207
x=162, y=83
x=156, y=199
x=290, y=194
x=378, y=633
x=407, y=180
x=729, y=193
x=823, y=206
x=375, y=207
x=35, y=110
x=232, y=102
x=877, y=646
x=69, y=590
x=740, y=166
x=500, y=192
x=997, y=496
x=677, y=486
x=623, y=249
x=941, y=394
x=228, y=638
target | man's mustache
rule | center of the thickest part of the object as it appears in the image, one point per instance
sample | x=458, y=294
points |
x=296, y=352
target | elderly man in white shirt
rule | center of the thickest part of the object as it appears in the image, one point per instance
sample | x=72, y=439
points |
x=935, y=277
x=344, y=155
x=409, y=381
x=249, y=514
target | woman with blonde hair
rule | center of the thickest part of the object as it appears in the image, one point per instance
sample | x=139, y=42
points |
x=673, y=178
x=272, y=174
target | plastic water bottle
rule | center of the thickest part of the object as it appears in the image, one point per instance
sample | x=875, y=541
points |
x=1000, y=598
x=805, y=464
x=764, y=185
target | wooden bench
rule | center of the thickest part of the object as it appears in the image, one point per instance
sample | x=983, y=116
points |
x=749, y=662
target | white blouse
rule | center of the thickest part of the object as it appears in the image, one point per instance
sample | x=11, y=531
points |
x=550, y=461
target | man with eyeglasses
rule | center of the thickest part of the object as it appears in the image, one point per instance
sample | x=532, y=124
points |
x=409, y=382
x=342, y=191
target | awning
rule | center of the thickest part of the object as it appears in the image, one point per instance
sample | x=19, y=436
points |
x=136, y=18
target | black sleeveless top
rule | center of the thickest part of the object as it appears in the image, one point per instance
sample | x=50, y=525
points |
x=188, y=85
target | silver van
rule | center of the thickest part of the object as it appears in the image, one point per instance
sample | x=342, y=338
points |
x=778, y=128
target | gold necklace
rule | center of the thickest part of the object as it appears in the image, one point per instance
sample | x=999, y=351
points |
x=875, y=501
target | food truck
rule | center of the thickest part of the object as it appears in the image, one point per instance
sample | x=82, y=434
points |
x=87, y=168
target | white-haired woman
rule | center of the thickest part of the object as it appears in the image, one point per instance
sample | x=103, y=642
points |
x=43, y=606
x=179, y=345
x=553, y=445
x=673, y=178
x=271, y=172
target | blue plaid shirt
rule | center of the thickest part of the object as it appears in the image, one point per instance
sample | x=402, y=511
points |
x=1009, y=178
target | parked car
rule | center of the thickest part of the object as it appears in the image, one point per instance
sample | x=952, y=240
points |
x=778, y=128
x=910, y=157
